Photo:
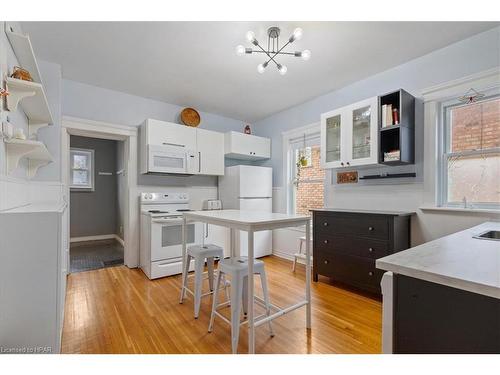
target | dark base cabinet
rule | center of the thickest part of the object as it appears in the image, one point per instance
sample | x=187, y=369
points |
x=437, y=319
x=347, y=243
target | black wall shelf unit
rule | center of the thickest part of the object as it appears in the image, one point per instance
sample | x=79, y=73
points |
x=399, y=136
x=388, y=175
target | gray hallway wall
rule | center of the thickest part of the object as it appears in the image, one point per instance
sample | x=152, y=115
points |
x=94, y=213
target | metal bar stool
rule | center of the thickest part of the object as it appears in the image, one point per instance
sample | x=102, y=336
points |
x=237, y=269
x=200, y=254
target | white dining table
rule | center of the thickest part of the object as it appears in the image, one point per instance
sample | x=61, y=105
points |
x=251, y=222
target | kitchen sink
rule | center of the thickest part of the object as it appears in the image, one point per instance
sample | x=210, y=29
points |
x=489, y=235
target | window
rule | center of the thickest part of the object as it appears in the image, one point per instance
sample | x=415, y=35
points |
x=81, y=169
x=470, y=163
x=306, y=178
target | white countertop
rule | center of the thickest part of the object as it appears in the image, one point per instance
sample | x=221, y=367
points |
x=253, y=219
x=458, y=260
x=49, y=206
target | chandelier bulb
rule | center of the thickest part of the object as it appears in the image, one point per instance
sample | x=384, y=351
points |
x=250, y=36
x=297, y=35
x=282, y=69
x=306, y=55
x=240, y=50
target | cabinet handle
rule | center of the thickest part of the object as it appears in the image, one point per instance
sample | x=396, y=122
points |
x=370, y=229
x=173, y=144
x=348, y=163
x=370, y=250
x=325, y=241
x=199, y=162
x=325, y=224
x=342, y=163
x=326, y=262
x=370, y=273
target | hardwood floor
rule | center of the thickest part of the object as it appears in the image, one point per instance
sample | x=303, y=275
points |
x=118, y=310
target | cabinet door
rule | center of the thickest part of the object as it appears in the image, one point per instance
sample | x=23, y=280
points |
x=362, y=137
x=248, y=147
x=333, y=138
x=167, y=133
x=210, y=147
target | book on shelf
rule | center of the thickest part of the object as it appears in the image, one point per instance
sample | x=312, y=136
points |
x=387, y=119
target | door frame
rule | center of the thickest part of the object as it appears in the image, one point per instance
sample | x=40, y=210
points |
x=103, y=130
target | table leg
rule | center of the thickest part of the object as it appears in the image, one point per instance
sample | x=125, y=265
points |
x=232, y=242
x=251, y=297
x=308, y=274
x=184, y=272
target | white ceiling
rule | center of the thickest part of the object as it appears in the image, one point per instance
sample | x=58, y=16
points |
x=194, y=63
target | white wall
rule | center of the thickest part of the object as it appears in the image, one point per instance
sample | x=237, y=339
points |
x=478, y=53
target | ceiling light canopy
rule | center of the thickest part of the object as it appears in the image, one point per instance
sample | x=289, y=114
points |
x=273, y=48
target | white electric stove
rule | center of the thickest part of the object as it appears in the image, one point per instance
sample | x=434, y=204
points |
x=161, y=233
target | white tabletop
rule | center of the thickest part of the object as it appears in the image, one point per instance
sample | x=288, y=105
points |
x=254, y=220
x=457, y=260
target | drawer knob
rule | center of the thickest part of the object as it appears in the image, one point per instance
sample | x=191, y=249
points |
x=326, y=262
x=342, y=163
x=370, y=249
x=325, y=241
x=325, y=224
x=370, y=228
x=370, y=273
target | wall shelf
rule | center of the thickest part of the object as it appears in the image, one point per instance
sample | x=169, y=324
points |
x=35, y=151
x=381, y=176
x=30, y=95
x=401, y=136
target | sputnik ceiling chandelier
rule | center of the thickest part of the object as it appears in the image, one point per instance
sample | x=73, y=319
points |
x=273, y=48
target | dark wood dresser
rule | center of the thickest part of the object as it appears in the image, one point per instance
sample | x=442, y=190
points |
x=346, y=244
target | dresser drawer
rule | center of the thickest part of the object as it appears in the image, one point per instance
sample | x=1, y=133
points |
x=369, y=226
x=353, y=270
x=361, y=247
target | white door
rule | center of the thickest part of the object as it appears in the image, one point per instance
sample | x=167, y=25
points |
x=263, y=241
x=362, y=133
x=256, y=182
x=210, y=147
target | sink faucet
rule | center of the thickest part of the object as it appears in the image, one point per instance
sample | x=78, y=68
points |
x=464, y=200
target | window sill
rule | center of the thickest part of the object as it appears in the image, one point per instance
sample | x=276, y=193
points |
x=463, y=210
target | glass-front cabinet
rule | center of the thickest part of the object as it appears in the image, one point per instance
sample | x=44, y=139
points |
x=349, y=135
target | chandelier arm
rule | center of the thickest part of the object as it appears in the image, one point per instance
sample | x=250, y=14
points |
x=268, y=54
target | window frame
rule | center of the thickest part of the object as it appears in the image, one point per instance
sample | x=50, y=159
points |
x=90, y=169
x=444, y=138
x=291, y=162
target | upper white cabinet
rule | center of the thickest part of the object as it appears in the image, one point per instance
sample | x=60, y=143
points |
x=246, y=146
x=177, y=149
x=349, y=135
x=210, y=147
x=164, y=133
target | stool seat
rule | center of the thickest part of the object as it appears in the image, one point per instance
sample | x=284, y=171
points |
x=208, y=250
x=239, y=265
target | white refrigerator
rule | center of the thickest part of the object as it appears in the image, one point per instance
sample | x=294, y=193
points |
x=247, y=188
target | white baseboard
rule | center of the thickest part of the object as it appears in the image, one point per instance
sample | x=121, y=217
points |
x=97, y=238
x=283, y=255
x=117, y=237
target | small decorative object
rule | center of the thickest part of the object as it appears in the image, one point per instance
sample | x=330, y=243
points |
x=395, y=116
x=19, y=134
x=20, y=73
x=393, y=155
x=347, y=177
x=471, y=96
x=248, y=130
x=273, y=48
x=3, y=93
x=190, y=117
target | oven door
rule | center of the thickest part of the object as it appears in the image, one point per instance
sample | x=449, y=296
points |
x=166, y=238
x=167, y=159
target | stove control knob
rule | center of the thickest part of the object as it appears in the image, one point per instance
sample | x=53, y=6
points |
x=150, y=196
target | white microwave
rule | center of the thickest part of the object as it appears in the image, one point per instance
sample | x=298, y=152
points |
x=171, y=160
